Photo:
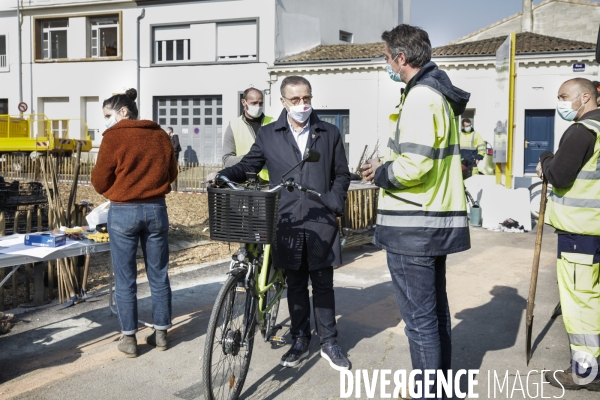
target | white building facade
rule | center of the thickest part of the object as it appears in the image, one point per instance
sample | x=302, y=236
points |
x=361, y=91
x=189, y=60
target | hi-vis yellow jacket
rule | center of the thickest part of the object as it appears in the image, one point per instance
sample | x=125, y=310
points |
x=422, y=207
x=244, y=138
x=576, y=209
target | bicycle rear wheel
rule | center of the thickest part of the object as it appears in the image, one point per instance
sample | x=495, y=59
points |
x=226, y=356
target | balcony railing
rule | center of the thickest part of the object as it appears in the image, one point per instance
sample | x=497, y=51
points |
x=3, y=61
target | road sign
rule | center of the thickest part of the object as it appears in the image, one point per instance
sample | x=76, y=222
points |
x=22, y=106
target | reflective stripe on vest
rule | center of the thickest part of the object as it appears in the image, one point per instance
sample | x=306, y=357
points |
x=574, y=208
x=244, y=138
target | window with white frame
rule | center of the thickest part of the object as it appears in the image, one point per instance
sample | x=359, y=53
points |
x=172, y=44
x=3, y=52
x=236, y=41
x=104, y=36
x=54, y=38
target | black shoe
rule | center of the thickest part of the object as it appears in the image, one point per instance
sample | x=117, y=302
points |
x=298, y=351
x=332, y=353
x=564, y=379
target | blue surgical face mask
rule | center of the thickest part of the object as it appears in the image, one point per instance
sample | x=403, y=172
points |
x=565, y=109
x=393, y=76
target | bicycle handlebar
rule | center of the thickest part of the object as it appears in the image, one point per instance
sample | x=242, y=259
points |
x=222, y=180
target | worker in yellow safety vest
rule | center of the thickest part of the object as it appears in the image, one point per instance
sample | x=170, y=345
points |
x=472, y=146
x=574, y=210
x=421, y=216
x=241, y=132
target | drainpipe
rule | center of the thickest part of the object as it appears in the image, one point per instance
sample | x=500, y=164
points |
x=141, y=16
x=527, y=17
x=20, y=60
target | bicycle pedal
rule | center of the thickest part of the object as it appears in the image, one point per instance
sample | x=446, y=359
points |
x=277, y=340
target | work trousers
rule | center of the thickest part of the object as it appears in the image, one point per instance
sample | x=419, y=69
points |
x=579, y=289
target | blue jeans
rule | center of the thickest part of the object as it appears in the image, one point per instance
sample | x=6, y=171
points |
x=148, y=224
x=420, y=286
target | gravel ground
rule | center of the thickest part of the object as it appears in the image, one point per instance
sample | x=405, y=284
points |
x=188, y=238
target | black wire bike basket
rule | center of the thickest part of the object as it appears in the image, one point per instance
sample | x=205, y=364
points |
x=242, y=216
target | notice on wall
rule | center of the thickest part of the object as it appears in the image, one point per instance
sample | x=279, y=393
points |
x=579, y=67
x=184, y=131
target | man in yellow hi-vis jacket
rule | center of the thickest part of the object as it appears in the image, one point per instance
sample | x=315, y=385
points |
x=574, y=210
x=472, y=146
x=421, y=216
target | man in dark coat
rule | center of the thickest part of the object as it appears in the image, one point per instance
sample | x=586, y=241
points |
x=176, y=149
x=307, y=243
x=174, y=142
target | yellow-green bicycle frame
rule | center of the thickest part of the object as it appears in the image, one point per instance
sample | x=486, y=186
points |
x=261, y=278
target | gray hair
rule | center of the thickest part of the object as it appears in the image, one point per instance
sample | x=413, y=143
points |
x=413, y=42
x=293, y=81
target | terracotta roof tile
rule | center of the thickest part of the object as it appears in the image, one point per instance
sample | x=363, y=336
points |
x=339, y=52
x=527, y=42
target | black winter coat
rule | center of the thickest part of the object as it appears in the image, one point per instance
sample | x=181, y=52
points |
x=303, y=217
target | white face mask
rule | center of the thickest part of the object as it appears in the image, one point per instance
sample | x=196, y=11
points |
x=468, y=128
x=565, y=109
x=254, y=111
x=300, y=113
x=111, y=121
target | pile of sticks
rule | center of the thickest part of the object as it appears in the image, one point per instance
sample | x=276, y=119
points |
x=67, y=269
x=65, y=274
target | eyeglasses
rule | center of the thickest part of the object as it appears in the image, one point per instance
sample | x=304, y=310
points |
x=296, y=100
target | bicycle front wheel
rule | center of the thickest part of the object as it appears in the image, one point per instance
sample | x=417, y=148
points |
x=226, y=352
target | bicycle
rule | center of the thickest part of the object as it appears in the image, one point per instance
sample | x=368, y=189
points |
x=251, y=294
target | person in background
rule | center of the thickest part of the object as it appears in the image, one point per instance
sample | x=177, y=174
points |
x=240, y=134
x=597, y=85
x=174, y=142
x=135, y=167
x=472, y=147
x=573, y=209
x=176, y=149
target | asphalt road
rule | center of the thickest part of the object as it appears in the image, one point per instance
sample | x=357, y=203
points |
x=72, y=353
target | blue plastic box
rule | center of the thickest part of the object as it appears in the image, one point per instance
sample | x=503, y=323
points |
x=45, y=239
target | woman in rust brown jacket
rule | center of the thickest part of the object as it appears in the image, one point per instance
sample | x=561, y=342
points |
x=134, y=170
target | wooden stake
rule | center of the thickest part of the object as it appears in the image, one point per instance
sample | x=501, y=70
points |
x=28, y=266
x=2, y=273
x=39, y=219
x=51, y=283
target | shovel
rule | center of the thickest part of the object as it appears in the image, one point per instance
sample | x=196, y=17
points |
x=534, y=270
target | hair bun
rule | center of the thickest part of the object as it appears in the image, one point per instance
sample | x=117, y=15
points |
x=131, y=93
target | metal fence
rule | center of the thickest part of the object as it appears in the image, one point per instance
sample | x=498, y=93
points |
x=24, y=168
